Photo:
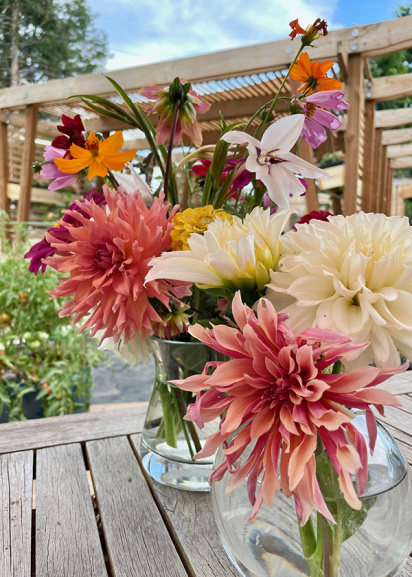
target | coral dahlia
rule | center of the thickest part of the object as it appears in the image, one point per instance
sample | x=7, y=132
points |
x=275, y=397
x=108, y=259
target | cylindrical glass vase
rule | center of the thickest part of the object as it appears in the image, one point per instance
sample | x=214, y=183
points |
x=169, y=442
x=270, y=546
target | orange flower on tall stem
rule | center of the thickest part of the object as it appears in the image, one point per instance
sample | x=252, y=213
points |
x=98, y=155
x=313, y=32
x=313, y=75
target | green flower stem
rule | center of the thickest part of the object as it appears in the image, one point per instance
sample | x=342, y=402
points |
x=169, y=157
x=190, y=426
x=266, y=118
x=112, y=179
x=168, y=415
x=331, y=549
x=179, y=402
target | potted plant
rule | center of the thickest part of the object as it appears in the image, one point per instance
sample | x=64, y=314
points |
x=44, y=363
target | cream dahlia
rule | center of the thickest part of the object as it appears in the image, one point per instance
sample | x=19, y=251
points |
x=234, y=254
x=353, y=275
x=107, y=259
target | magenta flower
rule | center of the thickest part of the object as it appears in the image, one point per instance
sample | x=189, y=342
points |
x=275, y=392
x=51, y=172
x=43, y=249
x=316, y=118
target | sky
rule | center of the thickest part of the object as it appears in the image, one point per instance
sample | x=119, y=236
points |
x=146, y=31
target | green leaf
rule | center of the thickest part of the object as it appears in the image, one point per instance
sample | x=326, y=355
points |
x=348, y=520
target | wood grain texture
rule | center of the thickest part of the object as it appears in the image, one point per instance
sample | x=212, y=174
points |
x=406, y=570
x=137, y=540
x=52, y=431
x=67, y=539
x=190, y=516
x=16, y=482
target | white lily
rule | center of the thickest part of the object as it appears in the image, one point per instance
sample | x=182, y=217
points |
x=272, y=162
x=132, y=182
x=237, y=255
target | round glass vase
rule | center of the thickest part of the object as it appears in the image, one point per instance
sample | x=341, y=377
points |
x=168, y=442
x=374, y=544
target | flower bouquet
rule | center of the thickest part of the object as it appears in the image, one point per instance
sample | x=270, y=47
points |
x=293, y=318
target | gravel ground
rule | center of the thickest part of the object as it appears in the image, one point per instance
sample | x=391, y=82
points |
x=121, y=383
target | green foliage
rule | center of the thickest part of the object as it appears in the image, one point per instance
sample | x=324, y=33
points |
x=408, y=209
x=49, y=39
x=39, y=352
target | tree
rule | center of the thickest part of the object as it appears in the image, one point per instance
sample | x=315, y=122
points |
x=42, y=40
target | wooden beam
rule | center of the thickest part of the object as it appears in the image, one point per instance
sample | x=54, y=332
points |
x=19, y=120
x=230, y=109
x=400, y=163
x=391, y=87
x=26, y=171
x=375, y=180
x=393, y=118
x=398, y=150
x=381, y=183
x=4, y=167
x=382, y=37
x=397, y=136
x=389, y=186
x=311, y=197
x=368, y=153
x=354, y=96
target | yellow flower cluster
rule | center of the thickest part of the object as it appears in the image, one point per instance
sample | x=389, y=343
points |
x=194, y=220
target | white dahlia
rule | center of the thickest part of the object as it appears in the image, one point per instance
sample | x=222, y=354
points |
x=352, y=275
x=235, y=255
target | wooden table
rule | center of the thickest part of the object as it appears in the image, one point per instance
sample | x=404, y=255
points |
x=74, y=501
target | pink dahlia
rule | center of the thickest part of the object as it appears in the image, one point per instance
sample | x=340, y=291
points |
x=274, y=389
x=108, y=258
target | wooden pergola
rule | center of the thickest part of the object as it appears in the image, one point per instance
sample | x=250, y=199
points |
x=236, y=82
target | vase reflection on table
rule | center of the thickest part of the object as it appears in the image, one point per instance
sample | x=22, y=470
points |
x=169, y=442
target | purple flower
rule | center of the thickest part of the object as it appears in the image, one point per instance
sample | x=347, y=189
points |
x=50, y=170
x=316, y=118
x=43, y=248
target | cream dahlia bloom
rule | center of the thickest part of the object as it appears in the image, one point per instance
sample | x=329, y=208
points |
x=235, y=255
x=352, y=275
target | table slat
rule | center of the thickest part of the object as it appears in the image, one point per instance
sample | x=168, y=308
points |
x=78, y=428
x=67, y=539
x=16, y=485
x=190, y=516
x=406, y=570
x=137, y=539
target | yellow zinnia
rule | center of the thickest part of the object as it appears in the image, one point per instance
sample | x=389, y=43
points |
x=98, y=155
x=194, y=220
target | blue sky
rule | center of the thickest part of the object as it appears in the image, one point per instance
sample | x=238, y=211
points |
x=145, y=31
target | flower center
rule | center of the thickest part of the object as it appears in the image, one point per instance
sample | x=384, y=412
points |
x=92, y=144
x=310, y=109
x=268, y=158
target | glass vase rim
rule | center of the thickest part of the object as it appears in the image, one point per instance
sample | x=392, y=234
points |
x=171, y=342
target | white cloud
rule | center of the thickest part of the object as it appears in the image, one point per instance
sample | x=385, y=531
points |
x=144, y=31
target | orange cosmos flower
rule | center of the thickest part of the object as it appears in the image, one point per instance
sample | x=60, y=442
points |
x=313, y=75
x=313, y=32
x=98, y=155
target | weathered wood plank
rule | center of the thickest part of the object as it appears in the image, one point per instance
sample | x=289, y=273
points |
x=400, y=384
x=40, y=433
x=27, y=161
x=137, y=539
x=67, y=539
x=191, y=518
x=16, y=482
x=406, y=570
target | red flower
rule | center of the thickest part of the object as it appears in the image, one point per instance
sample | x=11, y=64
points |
x=73, y=129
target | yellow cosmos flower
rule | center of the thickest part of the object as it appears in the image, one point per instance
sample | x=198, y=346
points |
x=194, y=220
x=98, y=155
